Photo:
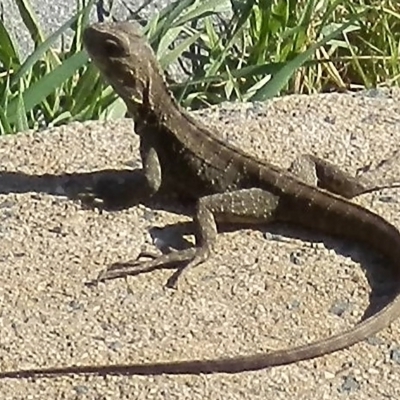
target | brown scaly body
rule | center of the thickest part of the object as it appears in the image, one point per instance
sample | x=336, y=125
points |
x=182, y=156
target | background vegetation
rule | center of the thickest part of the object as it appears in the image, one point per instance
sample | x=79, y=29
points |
x=244, y=50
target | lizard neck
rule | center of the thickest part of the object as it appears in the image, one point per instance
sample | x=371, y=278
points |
x=159, y=110
x=154, y=105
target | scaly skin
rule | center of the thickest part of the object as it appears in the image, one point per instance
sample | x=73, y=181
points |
x=183, y=156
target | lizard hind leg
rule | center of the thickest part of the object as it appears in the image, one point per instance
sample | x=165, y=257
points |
x=184, y=259
x=252, y=205
x=316, y=171
x=244, y=205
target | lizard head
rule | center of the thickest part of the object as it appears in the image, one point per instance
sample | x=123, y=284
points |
x=125, y=59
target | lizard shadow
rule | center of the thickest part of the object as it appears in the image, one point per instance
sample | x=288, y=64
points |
x=115, y=189
x=121, y=189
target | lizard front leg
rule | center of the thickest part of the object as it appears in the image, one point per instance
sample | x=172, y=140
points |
x=246, y=205
x=133, y=189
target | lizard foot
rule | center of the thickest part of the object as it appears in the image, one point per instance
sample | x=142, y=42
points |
x=189, y=258
x=137, y=266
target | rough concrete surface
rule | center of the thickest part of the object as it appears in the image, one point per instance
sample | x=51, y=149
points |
x=258, y=292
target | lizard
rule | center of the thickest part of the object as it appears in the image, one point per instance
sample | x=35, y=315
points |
x=183, y=155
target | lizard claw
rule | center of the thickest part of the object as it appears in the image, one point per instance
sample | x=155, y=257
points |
x=201, y=254
x=120, y=269
x=136, y=267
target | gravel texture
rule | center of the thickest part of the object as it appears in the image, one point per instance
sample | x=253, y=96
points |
x=263, y=289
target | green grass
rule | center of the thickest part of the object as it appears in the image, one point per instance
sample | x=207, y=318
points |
x=260, y=49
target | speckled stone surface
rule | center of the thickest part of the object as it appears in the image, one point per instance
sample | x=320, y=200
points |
x=260, y=291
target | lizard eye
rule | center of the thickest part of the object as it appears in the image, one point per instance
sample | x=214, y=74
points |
x=113, y=49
